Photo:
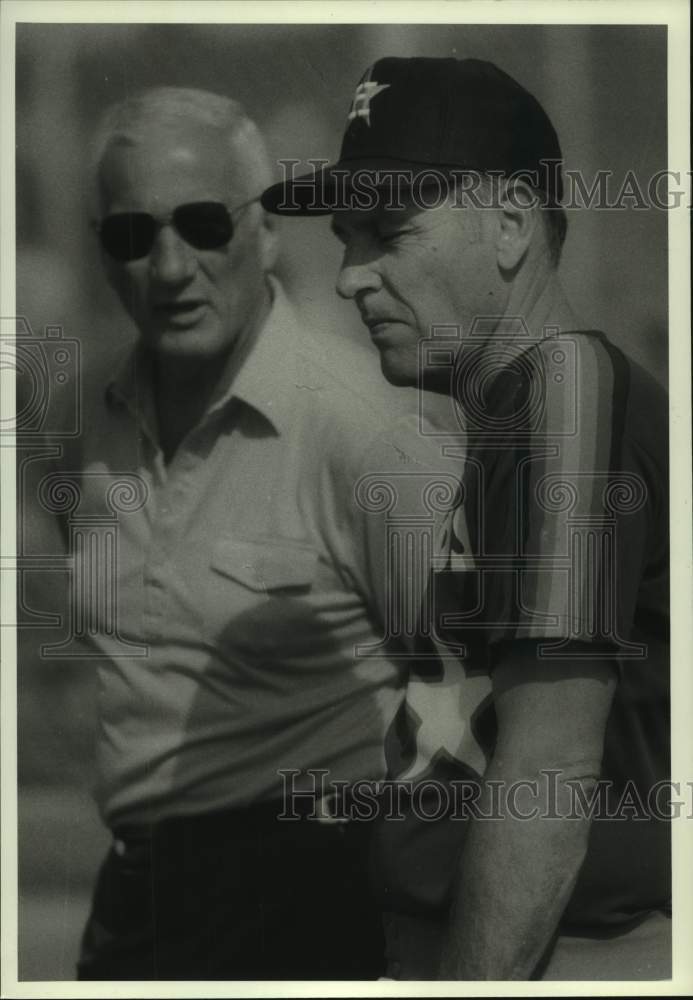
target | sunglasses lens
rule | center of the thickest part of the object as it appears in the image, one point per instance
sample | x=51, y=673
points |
x=205, y=225
x=127, y=235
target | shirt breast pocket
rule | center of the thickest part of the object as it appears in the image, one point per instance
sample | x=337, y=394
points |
x=267, y=565
x=261, y=602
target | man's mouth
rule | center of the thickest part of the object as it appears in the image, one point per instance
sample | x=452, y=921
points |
x=378, y=324
x=183, y=312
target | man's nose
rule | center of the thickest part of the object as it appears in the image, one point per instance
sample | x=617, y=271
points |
x=356, y=276
x=171, y=259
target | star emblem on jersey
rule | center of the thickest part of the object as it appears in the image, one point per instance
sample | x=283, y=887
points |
x=361, y=104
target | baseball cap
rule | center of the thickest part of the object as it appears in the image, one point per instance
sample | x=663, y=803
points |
x=414, y=115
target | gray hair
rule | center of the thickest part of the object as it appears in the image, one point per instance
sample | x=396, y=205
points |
x=130, y=121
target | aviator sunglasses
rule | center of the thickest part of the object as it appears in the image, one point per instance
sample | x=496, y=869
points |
x=204, y=225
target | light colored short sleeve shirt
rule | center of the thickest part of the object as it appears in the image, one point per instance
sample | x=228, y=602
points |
x=248, y=575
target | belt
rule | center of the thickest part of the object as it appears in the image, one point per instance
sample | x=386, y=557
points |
x=247, y=820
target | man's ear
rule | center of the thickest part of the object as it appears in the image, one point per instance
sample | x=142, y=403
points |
x=518, y=221
x=113, y=272
x=269, y=240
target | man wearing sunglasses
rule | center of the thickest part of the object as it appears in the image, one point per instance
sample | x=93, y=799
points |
x=247, y=575
x=447, y=200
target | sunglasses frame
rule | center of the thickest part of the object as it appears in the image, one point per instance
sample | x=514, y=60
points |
x=168, y=220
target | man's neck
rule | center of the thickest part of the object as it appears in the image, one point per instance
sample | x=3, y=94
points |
x=185, y=389
x=542, y=303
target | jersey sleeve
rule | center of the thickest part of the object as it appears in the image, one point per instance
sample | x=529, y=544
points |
x=563, y=502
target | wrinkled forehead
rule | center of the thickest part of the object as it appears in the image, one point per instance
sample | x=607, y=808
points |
x=171, y=161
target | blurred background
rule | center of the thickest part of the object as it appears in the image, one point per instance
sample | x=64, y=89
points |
x=604, y=89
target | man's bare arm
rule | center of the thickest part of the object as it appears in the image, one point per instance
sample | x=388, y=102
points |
x=516, y=875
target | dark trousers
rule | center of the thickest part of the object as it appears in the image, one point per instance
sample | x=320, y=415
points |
x=237, y=895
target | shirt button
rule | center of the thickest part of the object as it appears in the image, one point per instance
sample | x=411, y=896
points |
x=120, y=848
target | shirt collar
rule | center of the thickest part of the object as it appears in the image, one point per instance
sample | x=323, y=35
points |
x=267, y=375
x=263, y=382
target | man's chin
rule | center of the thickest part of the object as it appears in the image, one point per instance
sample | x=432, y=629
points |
x=184, y=343
x=397, y=372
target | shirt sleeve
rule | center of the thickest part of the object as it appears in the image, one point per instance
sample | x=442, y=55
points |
x=409, y=485
x=402, y=490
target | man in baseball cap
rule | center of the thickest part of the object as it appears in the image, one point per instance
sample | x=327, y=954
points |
x=446, y=197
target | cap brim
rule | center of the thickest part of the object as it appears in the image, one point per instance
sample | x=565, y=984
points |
x=309, y=194
x=349, y=185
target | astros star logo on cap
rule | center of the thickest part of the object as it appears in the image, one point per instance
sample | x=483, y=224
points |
x=364, y=94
